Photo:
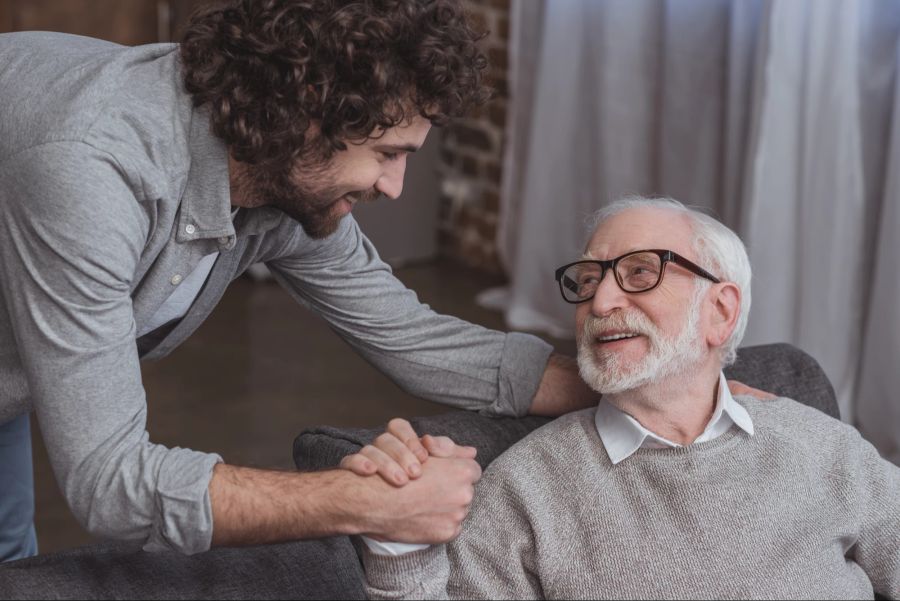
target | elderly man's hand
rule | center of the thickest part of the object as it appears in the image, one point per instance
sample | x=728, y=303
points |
x=737, y=388
x=398, y=454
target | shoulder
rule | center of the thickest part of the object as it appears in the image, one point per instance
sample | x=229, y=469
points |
x=809, y=433
x=126, y=101
x=788, y=415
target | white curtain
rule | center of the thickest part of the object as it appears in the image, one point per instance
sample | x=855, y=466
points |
x=781, y=116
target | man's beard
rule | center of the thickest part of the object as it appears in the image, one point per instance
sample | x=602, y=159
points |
x=667, y=356
x=313, y=203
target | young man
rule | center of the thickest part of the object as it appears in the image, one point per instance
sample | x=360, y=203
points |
x=671, y=488
x=136, y=183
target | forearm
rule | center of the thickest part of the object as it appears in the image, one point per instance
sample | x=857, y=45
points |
x=562, y=390
x=432, y=356
x=253, y=506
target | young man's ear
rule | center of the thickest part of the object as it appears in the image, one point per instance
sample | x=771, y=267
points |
x=726, y=308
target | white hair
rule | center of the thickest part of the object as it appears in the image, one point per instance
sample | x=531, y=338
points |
x=719, y=251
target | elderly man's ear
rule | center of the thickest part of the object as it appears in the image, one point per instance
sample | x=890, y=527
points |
x=725, y=300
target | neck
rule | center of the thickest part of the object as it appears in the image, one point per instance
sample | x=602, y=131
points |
x=677, y=408
x=239, y=182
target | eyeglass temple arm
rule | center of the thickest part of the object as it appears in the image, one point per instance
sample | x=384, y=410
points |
x=690, y=266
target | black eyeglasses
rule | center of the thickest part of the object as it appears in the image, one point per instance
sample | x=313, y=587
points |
x=637, y=271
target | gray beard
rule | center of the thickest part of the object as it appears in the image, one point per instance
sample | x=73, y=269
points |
x=667, y=357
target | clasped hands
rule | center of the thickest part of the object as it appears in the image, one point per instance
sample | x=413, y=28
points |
x=433, y=481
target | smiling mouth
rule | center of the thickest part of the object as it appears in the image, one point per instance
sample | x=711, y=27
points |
x=615, y=337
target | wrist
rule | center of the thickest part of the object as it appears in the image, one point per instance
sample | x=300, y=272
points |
x=354, y=503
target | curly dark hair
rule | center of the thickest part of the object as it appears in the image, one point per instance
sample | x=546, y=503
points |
x=268, y=69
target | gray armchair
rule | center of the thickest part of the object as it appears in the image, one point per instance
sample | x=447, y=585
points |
x=329, y=568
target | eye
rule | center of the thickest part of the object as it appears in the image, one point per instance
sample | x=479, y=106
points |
x=391, y=156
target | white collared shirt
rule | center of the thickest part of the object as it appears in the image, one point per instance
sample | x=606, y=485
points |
x=622, y=435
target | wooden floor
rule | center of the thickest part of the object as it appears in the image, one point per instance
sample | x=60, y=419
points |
x=259, y=371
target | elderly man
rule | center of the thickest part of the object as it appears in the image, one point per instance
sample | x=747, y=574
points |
x=671, y=487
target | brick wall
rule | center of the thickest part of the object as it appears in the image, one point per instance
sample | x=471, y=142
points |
x=471, y=153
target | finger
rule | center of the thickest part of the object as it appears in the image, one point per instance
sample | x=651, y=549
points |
x=385, y=466
x=465, y=452
x=442, y=446
x=439, y=446
x=737, y=388
x=475, y=471
x=400, y=453
x=404, y=432
x=358, y=464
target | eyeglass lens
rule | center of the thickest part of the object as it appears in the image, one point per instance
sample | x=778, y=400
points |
x=634, y=273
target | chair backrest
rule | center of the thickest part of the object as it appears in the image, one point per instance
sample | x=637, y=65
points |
x=781, y=369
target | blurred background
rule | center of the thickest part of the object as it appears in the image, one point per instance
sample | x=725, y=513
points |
x=781, y=117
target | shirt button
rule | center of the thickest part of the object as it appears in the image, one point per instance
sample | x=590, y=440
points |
x=189, y=228
x=176, y=279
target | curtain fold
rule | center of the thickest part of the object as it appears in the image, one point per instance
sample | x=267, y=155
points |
x=779, y=116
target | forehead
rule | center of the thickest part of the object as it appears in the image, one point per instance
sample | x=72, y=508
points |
x=639, y=229
x=412, y=132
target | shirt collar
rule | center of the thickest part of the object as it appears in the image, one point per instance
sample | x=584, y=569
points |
x=206, y=201
x=622, y=435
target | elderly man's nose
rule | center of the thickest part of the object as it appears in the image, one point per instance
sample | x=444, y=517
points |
x=608, y=297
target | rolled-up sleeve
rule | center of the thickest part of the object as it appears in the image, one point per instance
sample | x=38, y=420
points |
x=437, y=357
x=71, y=234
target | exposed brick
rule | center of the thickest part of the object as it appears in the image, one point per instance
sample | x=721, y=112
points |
x=470, y=166
x=478, y=112
x=478, y=20
x=487, y=229
x=497, y=113
x=471, y=153
x=497, y=81
x=494, y=173
x=470, y=136
x=498, y=59
x=447, y=156
x=492, y=202
x=503, y=28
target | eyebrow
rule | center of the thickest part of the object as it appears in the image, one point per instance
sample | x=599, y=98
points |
x=397, y=148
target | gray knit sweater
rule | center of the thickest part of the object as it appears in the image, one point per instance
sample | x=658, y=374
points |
x=803, y=509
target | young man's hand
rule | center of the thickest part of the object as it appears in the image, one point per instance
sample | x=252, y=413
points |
x=398, y=454
x=737, y=388
x=427, y=510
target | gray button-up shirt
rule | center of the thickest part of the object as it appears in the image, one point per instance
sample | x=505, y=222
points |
x=112, y=188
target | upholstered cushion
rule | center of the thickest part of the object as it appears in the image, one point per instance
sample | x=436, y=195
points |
x=778, y=368
x=320, y=569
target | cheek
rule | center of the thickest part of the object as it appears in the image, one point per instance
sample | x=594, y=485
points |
x=581, y=314
x=360, y=174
